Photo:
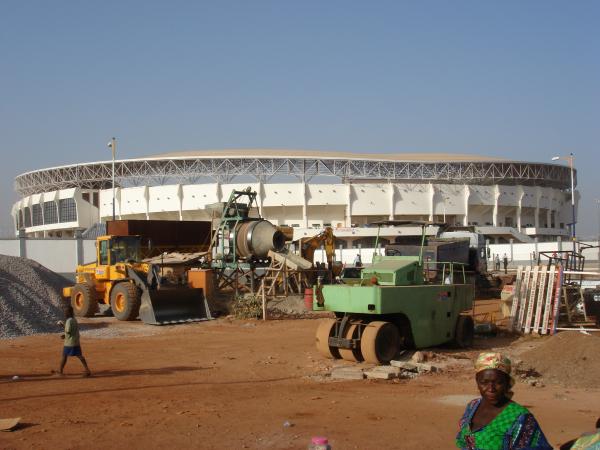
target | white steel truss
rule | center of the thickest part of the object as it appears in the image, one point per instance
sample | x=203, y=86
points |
x=153, y=172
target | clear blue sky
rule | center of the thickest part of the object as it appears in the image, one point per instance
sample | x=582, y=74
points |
x=514, y=79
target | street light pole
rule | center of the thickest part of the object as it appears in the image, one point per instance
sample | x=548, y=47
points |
x=598, y=205
x=113, y=146
x=573, y=234
x=570, y=159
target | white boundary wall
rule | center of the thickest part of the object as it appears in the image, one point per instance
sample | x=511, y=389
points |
x=63, y=255
x=59, y=255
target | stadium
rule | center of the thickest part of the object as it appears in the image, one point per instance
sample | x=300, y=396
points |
x=307, y=190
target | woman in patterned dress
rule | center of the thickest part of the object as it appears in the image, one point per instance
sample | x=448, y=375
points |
x=494, y=421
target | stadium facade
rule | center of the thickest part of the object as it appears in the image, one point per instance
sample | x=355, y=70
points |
x=501, y=198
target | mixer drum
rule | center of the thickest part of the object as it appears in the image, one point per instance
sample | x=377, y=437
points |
x=257, y=237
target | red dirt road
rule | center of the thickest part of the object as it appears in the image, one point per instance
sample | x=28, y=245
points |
x=227, y=385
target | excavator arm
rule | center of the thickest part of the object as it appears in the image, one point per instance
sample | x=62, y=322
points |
x=327, y=240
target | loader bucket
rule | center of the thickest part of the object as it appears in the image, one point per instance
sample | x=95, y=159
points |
x=173, y=305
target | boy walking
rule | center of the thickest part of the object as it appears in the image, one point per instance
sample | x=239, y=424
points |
x=71, y=337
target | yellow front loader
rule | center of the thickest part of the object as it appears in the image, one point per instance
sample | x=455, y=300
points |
x=133, y=288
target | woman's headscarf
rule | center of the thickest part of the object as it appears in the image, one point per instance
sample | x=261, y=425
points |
x=496, y=361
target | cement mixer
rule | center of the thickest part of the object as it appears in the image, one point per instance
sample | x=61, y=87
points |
x=242, y=242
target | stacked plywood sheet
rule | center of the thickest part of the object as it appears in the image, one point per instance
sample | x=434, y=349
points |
x=536, y=299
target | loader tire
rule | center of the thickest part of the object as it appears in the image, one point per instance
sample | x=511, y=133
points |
x=463, y=337
x=125, y=301
x=83, y=300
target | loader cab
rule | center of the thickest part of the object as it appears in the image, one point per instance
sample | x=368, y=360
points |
x=118, y=249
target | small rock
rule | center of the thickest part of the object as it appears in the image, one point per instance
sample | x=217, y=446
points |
x=418, y=357
x=15, y=377
x=287, y=424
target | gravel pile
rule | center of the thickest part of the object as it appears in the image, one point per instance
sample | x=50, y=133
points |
x=30, y=298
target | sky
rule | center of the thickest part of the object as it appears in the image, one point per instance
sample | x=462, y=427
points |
x=512, y=79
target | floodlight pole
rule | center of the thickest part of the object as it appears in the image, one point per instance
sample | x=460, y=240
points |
x=113, y=145
x=573, y=234
x=570, y=159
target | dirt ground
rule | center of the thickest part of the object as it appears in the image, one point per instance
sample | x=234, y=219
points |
x=229, y=384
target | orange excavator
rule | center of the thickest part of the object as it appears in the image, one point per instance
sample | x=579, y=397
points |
x=326, y=239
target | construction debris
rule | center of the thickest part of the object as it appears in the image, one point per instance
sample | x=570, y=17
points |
x=383, y=373
x=347, y=373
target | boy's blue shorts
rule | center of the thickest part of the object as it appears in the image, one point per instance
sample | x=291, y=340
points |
x=72, y=351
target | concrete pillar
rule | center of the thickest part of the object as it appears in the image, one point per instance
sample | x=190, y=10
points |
x=495, y=213
x=219, y=191
x=180, y=201
x=431, y=197
x=260, y=196
x=146, y=201
x=304, y=204
x=22, y=244
x=79, y=247
x=520, y=194
x=467, y=194
x=391, y=195
x=538, y=199
x=348, y=205
x=512, y=241
x=559, y=242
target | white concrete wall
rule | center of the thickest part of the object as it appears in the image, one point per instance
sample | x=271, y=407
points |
x=134, y=201
x=524, y=252
x=9, y=247
x=58, y=255
x=326, y=203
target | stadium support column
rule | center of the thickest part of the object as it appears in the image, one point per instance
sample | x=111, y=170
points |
x=180, y=201
x=147, y=201
x=391, y=193
x=431, y=198
x=348, y=204
x=304, y=203
x=219, y=191
x=549, y=211
x=495, y=213
x=261, y=195
x=521, y=194
x=538, y=199
x=467, y=193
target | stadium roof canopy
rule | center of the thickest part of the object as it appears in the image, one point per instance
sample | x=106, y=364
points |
x=191, y=167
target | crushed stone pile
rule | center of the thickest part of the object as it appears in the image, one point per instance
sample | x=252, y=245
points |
x=569, y=358
x=30, y=297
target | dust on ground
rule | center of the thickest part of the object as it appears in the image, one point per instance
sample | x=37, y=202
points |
x=569, y=358
x=231, y=383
